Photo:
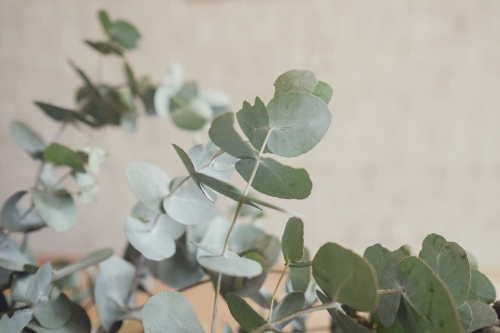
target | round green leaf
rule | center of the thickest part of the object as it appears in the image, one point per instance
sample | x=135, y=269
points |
x=124, y=34
x=254, y=121
x=481, y=315
x=296, y=80
x=481, y=288
x=26, y=138
x=299, y=122
x=53, y=314
x=14, y=218
x=292, y=242
x=188, y=205
x=345, y=277
x=170, y=312
x=243, y=313
x=323, y=91
x=275, y=179
x=193, y=116
x=57, y=209
x=385, y=264
x=149, y=184
x=449, y=261
x=426, y=304
x=222, y=133
x=79, y=322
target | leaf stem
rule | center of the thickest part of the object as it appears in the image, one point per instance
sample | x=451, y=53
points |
x=397, y=290
x=276, y=289
x=236, y=213
x=133, y=285
x=60, y=131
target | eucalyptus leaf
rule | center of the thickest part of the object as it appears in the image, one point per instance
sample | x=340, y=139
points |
x=79, y=322
x=57, y=209
x=300, y=276
x=449, y=261
x=254, y=121
x=299, y=122
x=39, y=287
x=91, y=259
x=205, y=156
x=124, y=34
x=105, y=47
x=111, y=290
x=146, y=215
x=231, y=264
x=26, y=138
x=222, y=133
x=152, y=239
x=426, y=304
x=171, y=85
x=275, y=179
x=17, y=322
x=53, y=314
x=323, y=91
x=345, y=277
x=170, y=312
x=149, y=184
x=88, y=187
x=188, y=205
x=243, y=313
x=227, y=328
x=179, y=271
x=292, y=302
x=19, y=219
x=105, y=21
x=292, y=242
x=481, y=288
x=61, y=155
x=482, y=315
x=386, y=263
x=296, y=80
x=346, y=324
x=193, y=116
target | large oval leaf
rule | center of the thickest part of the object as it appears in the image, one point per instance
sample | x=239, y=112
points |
x=26, y=138
x=345, y=277
x=449, y=261
x=426, y=304
x=275, y=179
x=386, y=265
x=57, y=209
x=79, y=322
x=149, y=184
x=299, y=122
x=170, y=312
x=481, y=288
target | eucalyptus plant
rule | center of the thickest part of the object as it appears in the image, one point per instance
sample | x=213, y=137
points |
x=179, y=234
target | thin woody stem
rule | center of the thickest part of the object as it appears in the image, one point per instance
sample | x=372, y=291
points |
x=276, y=289
x=235, y=218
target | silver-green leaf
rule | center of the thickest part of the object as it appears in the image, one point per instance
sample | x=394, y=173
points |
x=296, y=80
x=57, y=209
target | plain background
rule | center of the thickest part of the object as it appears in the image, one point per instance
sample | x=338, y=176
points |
x=414, y=146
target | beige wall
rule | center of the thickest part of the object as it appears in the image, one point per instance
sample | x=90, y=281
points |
x=414, y=147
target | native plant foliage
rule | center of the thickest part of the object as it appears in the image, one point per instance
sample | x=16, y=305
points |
x=180, y=236
x=50, y=298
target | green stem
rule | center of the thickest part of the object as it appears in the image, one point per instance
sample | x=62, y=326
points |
x=236, y=213
x=271, y=326
x=276, y=289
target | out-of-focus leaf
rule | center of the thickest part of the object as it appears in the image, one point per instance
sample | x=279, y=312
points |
x=57, y=209
x=18, y=219
x=170, y=312
x=323, y=91
x=125, y=34
x=26, y=138
x=61, y=155
x=296, y=80
x=92, y=259
x=17, y=322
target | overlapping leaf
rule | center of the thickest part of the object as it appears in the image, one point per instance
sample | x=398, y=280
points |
x=26, y=138
x=57, y=209
x=16, y=218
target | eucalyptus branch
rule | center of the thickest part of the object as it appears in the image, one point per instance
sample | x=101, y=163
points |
x=276, y=289
x=60, y=131
x=271, y=325
x=236, y=213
